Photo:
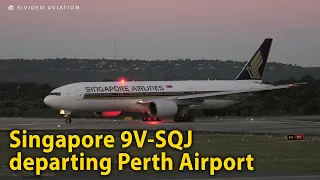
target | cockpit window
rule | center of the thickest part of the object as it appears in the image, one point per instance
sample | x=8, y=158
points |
x=55, y=94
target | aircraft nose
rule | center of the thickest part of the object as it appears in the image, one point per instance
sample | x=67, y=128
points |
x=51, y=101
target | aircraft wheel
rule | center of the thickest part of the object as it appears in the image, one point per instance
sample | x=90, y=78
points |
x=185, y=119
x=144, y=118
x=190, y=118
x=68, y=120
x=159, y=119
x=178, y=119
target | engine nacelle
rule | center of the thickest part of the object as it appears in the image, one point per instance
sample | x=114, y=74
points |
x=108, y=113
x=163, y=108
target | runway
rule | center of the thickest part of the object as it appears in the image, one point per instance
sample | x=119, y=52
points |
x=272, y=125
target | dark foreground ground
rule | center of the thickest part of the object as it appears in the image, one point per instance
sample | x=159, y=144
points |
x=274, y=156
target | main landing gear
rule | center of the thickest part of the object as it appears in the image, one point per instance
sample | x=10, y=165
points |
x=184, y=118
x=151, y=118
x=178, y=118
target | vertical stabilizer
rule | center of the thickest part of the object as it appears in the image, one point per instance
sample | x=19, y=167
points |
x=254, y=69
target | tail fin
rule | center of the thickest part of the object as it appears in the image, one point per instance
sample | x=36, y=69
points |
x=254, y=69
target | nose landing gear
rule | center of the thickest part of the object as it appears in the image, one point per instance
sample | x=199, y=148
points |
x=66, y=115
x=67, y=118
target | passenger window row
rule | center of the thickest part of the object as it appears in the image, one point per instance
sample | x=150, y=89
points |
x=90, y=95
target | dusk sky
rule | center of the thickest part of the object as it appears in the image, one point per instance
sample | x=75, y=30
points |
x=163, y=29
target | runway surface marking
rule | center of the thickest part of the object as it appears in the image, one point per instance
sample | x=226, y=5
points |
x=19, y=124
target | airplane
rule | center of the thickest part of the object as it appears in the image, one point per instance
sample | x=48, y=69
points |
x=164, y=99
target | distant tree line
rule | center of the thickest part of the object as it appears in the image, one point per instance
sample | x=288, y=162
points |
x=74, y=70
x=26, y=100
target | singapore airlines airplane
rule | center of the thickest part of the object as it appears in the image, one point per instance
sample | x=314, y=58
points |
x=158, y=99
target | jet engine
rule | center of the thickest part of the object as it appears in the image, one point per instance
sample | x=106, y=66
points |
x=163, y=108
x=108, y=113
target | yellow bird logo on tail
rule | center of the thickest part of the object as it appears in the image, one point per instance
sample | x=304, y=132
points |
x=255, y=65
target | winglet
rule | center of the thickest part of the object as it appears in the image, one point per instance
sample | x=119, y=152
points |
x=254, y=69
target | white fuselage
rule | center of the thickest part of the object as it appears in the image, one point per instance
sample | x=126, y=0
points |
x=123, y=96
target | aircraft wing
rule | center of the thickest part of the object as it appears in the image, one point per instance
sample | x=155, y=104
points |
x=216, y=94
x=210, y=95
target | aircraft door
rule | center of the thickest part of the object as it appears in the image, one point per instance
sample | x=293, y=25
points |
x=79, y=95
